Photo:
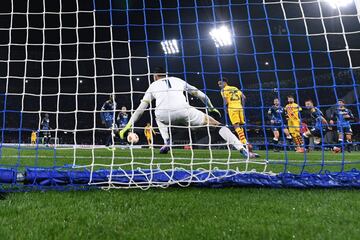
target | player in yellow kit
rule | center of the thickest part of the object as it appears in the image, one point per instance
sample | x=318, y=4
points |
x=293, y=118
x=234, y=99
x=148, y=131
x=33, y=137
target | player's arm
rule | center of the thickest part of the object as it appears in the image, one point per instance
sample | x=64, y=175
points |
x=243, y=99
x=269, y=113
x=323, y=121
x=223, y=97
x=145, y=102
x=286, y=114
x=102, y=113
x=202, y=96
x=135, y=117
x=332, y=118
x=350, y=115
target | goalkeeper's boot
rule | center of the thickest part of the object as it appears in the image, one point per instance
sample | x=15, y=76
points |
x=165, y=149
x=250, y=154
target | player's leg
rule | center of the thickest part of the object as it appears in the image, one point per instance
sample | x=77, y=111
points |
x=240, y=132
x=289, y=139
x=110, y=135
x=307, y=134
x=340, y=138
x=148, y=139
x=237, y=119
x=47, y=138
x=150, y=142
x=276, y=139
x=198, y=118
x=164, y=132
x=348, y=135
x=294, y=130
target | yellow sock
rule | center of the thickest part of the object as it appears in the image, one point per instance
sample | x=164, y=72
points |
x=241, y=134
x=298, y=140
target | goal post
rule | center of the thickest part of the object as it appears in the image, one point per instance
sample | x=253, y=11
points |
x=72, y=74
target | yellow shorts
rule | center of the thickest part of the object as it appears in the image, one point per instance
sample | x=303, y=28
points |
x=236, y=116
x=148, y=136
x=294, y=128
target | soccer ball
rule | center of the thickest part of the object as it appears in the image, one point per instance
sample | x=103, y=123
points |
x=132, y=138
x=336, y=150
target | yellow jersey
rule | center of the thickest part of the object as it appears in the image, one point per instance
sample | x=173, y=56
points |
x=233, y=96
x=33, y=136
x=292, y=111
x=148, y=130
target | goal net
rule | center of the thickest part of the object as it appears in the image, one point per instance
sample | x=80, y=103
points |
x=72, y=74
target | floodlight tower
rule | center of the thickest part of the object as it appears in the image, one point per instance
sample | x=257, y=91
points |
x=221, y=36
x=170, y=46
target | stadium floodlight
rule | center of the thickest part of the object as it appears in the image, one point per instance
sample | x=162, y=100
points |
x=170, y=46
x=339, y=3
x=221, y=36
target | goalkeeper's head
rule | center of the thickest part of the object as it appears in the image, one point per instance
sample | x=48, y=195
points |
x=159, y=73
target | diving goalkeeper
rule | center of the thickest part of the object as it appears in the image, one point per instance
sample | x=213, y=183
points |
x=173, y=108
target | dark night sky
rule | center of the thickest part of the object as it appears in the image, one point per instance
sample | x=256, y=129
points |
x=70, y=47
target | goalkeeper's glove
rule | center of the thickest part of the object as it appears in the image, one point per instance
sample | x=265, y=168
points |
x=124, y=130
x=214, y=110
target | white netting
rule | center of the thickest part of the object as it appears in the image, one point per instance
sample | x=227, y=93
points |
x=65, y=59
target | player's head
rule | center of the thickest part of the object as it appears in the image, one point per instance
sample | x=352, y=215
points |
x=159, y=73
x=112, y=98
x=223, y=82
x=276, y=102
x=341, y=103
x=46, y=115
x=309, y=103
x=148, y=124
x=123, y=109
x=290, y=99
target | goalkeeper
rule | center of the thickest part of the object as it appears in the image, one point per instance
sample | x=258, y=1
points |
x=172, y=108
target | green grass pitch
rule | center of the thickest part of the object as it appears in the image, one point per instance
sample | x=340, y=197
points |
x=181, y=213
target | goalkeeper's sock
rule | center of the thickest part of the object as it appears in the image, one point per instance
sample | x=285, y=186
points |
x=164, y=131
x=230, y=138
x=241, y=134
